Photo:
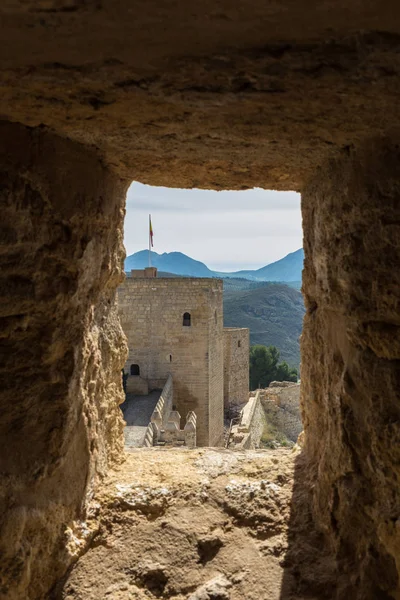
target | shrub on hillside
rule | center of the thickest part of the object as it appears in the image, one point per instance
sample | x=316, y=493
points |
x=265, y=367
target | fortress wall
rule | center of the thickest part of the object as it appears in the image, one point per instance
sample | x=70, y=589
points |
x=151, y=313
x=247, y=434
x=166, y=400
x=236, y=365
x=216, y=368
x=282, y=409
x=289, y=399
x=284, y=421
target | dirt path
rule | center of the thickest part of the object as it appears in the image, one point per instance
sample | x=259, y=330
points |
x=206, y=524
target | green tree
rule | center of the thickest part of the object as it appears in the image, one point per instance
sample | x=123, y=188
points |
x=274, y=354
x=285, y=373
x=265, y=367
x=261, y=368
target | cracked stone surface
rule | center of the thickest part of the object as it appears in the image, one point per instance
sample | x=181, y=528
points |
x=232, y=95
x=350, y=362
x=62, y=348
x=204, y=525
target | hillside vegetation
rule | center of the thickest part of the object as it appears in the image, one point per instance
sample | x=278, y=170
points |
x=273, y=313
x=241, y=284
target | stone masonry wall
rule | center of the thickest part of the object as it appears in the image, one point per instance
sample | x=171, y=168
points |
x=282, y=409
x=350, y=374
x=166, y=400
x=216, y=368
x=62, y=349
x=247, y=433
x=151, y=313
x=236, y=365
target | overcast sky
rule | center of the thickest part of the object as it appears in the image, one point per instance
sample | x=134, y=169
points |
x=225, y=230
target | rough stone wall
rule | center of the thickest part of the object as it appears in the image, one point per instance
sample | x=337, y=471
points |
x=166, y=400
x=351, y=363
x=256, y=428
x=247, y=433
x=282, y=409
x=136, y=385
x=151, y=312
x=236, y=365
x=62, y=348
x=230, y=96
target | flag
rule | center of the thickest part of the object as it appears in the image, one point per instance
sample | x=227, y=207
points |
x=151, y=231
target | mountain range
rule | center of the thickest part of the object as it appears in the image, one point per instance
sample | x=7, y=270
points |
x=265, y=300
x=286, y=269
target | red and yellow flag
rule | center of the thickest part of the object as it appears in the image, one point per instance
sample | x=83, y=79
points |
x=150, y=231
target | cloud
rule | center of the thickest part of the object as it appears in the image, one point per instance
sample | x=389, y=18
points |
x=232, y=229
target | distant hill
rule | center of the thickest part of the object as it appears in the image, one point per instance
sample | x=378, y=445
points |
x=288, y=269
x=241, y=284
x=272, y=311
x=274, y=314
x=171, y=262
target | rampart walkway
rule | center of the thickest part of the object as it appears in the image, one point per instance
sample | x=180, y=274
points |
x=137, y=412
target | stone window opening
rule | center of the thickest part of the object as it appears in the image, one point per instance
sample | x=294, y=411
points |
x=186, y=320
x=135, y=370
x=239, y=344
x=346, y=189
x=170, y=358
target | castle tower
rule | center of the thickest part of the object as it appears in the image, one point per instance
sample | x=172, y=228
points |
x=175, y=325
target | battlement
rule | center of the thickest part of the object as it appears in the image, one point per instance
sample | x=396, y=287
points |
x=147, y=273
x=202, y=282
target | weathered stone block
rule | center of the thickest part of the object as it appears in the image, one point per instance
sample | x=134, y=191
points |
x=62, y=348
x=350, y=370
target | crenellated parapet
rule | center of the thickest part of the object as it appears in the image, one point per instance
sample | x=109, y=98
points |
x=165, y=423
x=171, y=433
x=247, y=430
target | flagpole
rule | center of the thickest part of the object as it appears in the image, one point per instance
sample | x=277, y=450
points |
x=149, y=241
